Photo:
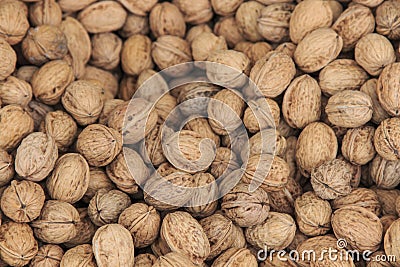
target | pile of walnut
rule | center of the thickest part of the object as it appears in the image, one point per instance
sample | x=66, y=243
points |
x=327, y=69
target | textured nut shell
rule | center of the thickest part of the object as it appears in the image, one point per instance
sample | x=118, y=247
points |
x=234, y=257
x=6, y=167
x=98, y=180
x=351, y=223
x=225, y=161
x=358, y=145
x=340, y=75
x=22, y=201
x=106, y=49
x=388, y=88
x=392, y=241
x=56, y=223
x=103, y=78
x=166, y=19
x=48, y=256
x=8, y=59
x=183, y=234
x=308, y=16
x=387, y=19
x=317, y=49
x=277, y=232
x=225, y=7
x=201, y=126
x=26, y=72
x=85, y=228
x=255, y=124
x=316, y=244
x=13, y=28
x=195, y=12
x=145, y=260
x=361, y=197
x=386, y=139
x=283, y=201
x=17, y=244
x=143, y=222
x=136, y=54
x=246, y=18
x=45, y=12
x=379, y=113
x=62, y=127
x=37, y=112
x=112, y=15
x=302, y=102
x=385, y=173
x=106, y=253
x=79, y=256
x=317, y=144
x=195, y=31
x=137, y=7
x=50, y=81
x=273, y=73
x=151, y=147
x=108, y=108
x=254, y=51
x=15, y=91
x=375, y=260
x=135, y=24
x=387, y=198
x=205, y=43
x=173, y=259
x=228, y=28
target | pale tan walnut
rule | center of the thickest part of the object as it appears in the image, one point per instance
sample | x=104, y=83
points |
x=349, y=109
x=244, y=207
x=287, y=48
x=278, y=261
x=236, y=257
x=6, y=167
x=45, y=12
x=387, y=220
x=196, y=30
x=228, y=28
x=384, y=173
x=183, y=234
x=37, y=112
x=388, y=89
x=273, y=23
x=44, y=43
x=36, y=156
x=48, y=256
x=105, y=250
x=166, y=19
x=154, y=93
x=374, y=63
x=145, y=260
x=71, y=6
x=205, y=43
x=107, y=80
x=308, y=16
x=283, y=200
x=61, y=127
x=358, y=146
x=379, y=113
x=254, y=51
x=160, y=248
x=273, y=73
x=195, y=12
x=173, y=259
x=109, y=106
x=246, y=18
x=8, y=59
x=313, y=214
x=352, y=223
x=106, y=49
x=14, y=21
x=22, y=201
x=81, y=255
x=387, y=198
x=202, y=126
x=317, y=49
x=377, y=258
x=135, y=24
x=84, y=227
x=387, y=139
x=143, y=222
x=15, y=91
x=387, y=19
x=302, y=102
x=226, y=8
x=340, y=75
x=258, y=123
x=316, y=144
x=151, y=147
x=277, y=232
x=355, y=22
x=78, y=43
x=138, y=7
x=361, y=197
x=112, y=15
x=225, y=161
x=136, y=54
x=98, y=180
x=56, y=223
x=17, y=244
x=26, y=72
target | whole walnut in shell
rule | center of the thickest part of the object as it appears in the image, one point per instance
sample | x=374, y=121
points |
x=387, y=19
x=45, y=12
x=228, y=28
x=378, y=112
x=255, y=123
x=143, y=222
x=81, y=255
x=138, y=7
x=236, y=257
x=386, y=139
x=226, y=8
x=14, y=27
x=15, y=91
x=385, y=173
x=173, y=259
x=246, y=18
x=22, y=201
x=195, y=12
x=151, y=147
x=6, y=167
x=9, y=59
x=225, y=161
x=136, y=54
x=56, y=223
x=387, y=199
x=98, y=180
x=17, y=244
x=70, y=178
x=106, y=49
x=85, y=228
x=36, y=156
x=283, y=201
x=37, y=112
x=195, y=31
x=135, y=24
x=254, y=51
x=48, y=256
x=388, y=88
x=358, y=145
x=26, y=72
x=361, y=197
x=166, y=19
x=205, y=43
x=145, y=260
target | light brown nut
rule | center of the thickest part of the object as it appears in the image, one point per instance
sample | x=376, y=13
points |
x=98, y=180
x=317, y=49
x=387, y=198
x=37, y=112
x=15, y=91
x=106, y=49
x=317, y=144
x=196, y=30
x=388, y=88
x=287, y=48
x=166, y=19
x=361, y=197
x=225, y=161
x=107, y=80
x=308, y=16
x=145, y=260
x=135, y=24
x=173, y=259
x=384, y=173
x=105, y=251
x=17, y=244
x=143, y=222
x=9, y=59
x=358, y=146
x=225, y=7
x=340, y=75
x=246, y=18
x=45, y=12
x=84, y=227
x=313, y=214
x=26, y=72
x=369, y=3
x=273, y=73
x=14, y=21
x=205, y=43
x=283, y=201
x=254, y=51
x=195, y=12
x=236, y=257
x=136, y=54
x=351, y=223
x=81, y=255
x=332, y=179
x=138, y=7
x=387, y=139
x=349, y=109
x=112, y=15
x=228, y=28
x=56, y=223
x=109, y=106
x=374, y=63
x=387, y=19
x=202, y=126
x=48, y=256
x=379, y=113
x=183, y=234
x=277, y=232
x=255, y=123
x=377, y=258
x=6, y=167
x=302, y=102
x=71, y=6
x=151, y=147
x=99, y=144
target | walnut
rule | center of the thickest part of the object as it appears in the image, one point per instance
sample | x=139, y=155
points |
x=45, y=12
x=106, y=49
x=196, y=30
x=6, y=167
x=82, y=254
x=362, y=197
x=15, y=91
x=378, y=112
x=228, y=28
x=255, y=123
x=9, y=59
x=14, y=21
x=387, y=19
x=138, y=7
x=386, y=139
x=98, y=179
x=195, y=12
x=135, y=24
x=173, y=259
x=235, y=257
x=358, y=146
x=136, y=54
x=254, y=51
x=166, y=19
x=273, y=23
x=48, y=256
x=246, y=18
x=283, y=201
x=224, y=162
x=384, y=173
x=84, y=227
x=205, y=43
x=145, y=260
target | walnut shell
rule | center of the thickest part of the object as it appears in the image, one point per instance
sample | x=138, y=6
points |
x=103, y=78
x=136, y=54
x=236, y=257
x=106, y=253
x=195, y=31
x=195, y=12
x=98, y=180
x=14, y=27
x=9, y=59
x=48, y=256
x=317, y=49
x=106, y=49
x=193, y=98
x=143, y=222
x=226, y=8
x=173, y=259
x=37, y=112
x=358, y=146
x=388, y=88
x=205, y=43
x=135, y=24
x=145, y=260
x=377, y=260
x=18, y=245
x=228, y=28
x=302, y=102
x=386, y=139
x=151, y=147
x=254, y=51
x=225, y=161
x=138, y=7
x=81, y=255
x=283, y=200
x=112, y=13
x=246, y=18
x=258, y=123
x=6, y=167
x=71, y=6
x=45, y=12
x=109, y=106
x=287, y=48
x=85, y=228
x=317, y=144
x=387, y=198
x=378, y=112
x=26, y=72
x=202, y=126
x=166, y=19
x=361, y=197
x=56, y=223
x=384, y=173
x=106, y=206
x=387, y=19
x=276, y=233
x=15, y=91
x=352, y=222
